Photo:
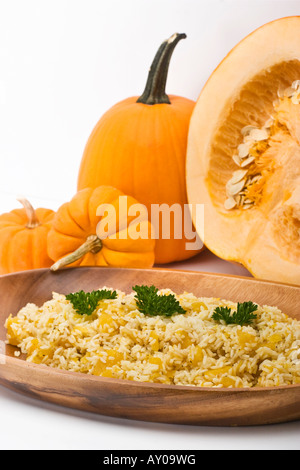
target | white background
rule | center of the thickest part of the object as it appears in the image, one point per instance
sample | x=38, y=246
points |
x=63, y=63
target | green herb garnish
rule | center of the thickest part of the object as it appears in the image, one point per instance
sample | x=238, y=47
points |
x=243, y=316
x=150, y=303
x=85, y=303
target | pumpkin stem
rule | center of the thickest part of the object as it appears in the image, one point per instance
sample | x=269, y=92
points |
x=33, y=221
x=92, y=244
x=155, y=90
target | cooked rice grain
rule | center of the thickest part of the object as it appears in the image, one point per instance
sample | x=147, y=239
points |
x=186, y=349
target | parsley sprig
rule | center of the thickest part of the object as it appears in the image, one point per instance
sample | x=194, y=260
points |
x=85, y=303
x=149, y=302
x=242, y=316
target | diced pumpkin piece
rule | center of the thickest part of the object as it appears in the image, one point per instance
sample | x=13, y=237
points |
x=107, y=373
x=195, y=355
x=34, y=344
x=183, y=338
x=275, y=338
x=154, y=341
x=83, y=329
x=106, y=322
x=14, y=336
x=197, y=305
x=216, y=372
x=107, y=358
x=228, y=382
x=245, y=338
x=155, y=360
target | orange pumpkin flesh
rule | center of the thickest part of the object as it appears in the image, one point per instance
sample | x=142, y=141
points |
x=250, y=88
x=73, y=240
x=23, y=239
x=139, y=147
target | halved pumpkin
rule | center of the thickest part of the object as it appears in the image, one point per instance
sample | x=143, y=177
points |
x=243, y=156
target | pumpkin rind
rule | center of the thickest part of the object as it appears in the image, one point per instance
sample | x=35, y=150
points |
x=241, y=92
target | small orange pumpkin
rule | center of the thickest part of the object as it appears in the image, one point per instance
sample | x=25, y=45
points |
x=139, y=146
x=23, y=238
x=74, y=237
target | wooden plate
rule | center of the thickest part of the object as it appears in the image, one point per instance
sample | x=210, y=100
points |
x=144, y=401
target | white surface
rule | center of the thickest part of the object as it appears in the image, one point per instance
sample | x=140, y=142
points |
x=63, y=63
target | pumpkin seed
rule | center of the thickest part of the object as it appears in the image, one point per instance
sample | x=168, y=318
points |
x=295, y=98
x=237, y=160
x=243, y=150
x=240, y=199
x=288, y=92
x=247, y=161
x=259, y=134
x=248, y=206
x=269, y=123
x=280, y=92
x=237, y=176
x=234, y=189
x=230, y=203
x=247, y=129
x=296, y=84
x=255, y=179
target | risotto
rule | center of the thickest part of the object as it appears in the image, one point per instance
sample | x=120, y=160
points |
x=193, y=349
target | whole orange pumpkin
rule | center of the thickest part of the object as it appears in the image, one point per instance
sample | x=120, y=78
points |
x=139, y=146
x=81, y=235
x=23, y=238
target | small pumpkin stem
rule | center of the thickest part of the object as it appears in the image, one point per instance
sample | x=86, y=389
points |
x=33, y=221
x=155, y=90
x=92, y=244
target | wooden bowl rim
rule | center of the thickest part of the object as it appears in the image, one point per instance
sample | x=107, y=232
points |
x=158, y=268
